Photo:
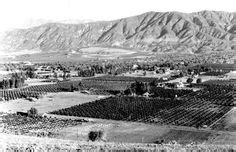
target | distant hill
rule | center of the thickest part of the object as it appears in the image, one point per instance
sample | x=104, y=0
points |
x=200, y=32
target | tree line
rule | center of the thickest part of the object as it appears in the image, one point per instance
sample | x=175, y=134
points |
x=16, y=80
x=140, y=88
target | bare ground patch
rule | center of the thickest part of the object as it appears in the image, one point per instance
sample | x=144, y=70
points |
x=50, y=102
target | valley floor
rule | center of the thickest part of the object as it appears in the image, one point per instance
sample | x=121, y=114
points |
x=122, y=131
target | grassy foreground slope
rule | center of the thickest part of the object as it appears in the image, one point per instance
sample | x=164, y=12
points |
x=19, y=142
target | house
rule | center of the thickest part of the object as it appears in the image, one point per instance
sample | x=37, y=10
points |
x=160, y=85
x=195, y=76
x=59, y=73
x=164, y=78
x=73, y=73
x=135, y=66
x=146, y=94
x=179, y=84
x=175, y=85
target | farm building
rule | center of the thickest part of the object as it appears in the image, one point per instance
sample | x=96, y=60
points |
x=179, y=85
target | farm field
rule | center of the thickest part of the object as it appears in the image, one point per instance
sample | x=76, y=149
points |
x=227, y=123
x=98, y=87
x=224, y=67
x=203, y=77
x=14, y=143
x=50, y=102
x=68, y=128
x=133, y=132
x=38, y=126
x=195, y=109
x=127, y=79
x=37, y=90
x=223, y=138
x=105, y=85
x=155, y=111
x=221, y=82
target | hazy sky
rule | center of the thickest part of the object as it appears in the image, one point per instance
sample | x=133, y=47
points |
x=22, y=13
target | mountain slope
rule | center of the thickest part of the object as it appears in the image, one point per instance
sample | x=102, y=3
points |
x=198, y=32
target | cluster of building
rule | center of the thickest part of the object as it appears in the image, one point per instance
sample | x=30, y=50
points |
x=49, y=72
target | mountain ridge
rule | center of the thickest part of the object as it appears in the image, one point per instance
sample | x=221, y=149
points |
x=198, y=32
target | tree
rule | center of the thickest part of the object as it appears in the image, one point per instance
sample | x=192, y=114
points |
x=163, y=71
x=30, y=72
x=144, y=73
x=6, y=83
x=181, y=74
x=133, y=87
x=72, y=88
x=12, y=82
x=196, y=71
x=32, y=112
x=138, y=88
x=64, y=75
x=154, y=83
x=55, y=75
x=95, y=135
x=199, y=80
x=189, y=80
x=190, y=71
x=17, y=83
x=127, y=91
x=22, y=79
x=1, y=84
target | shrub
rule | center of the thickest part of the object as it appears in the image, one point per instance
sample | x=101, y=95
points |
x=95, y=135
x=189, y=80
x=32, y=112
x=199, y=80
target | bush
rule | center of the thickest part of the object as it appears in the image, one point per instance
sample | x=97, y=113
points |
x=95, y=135
x=189, y=80
x=32, y=112
x=199, y=80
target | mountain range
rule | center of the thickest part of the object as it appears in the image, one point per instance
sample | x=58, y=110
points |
x=199, y=32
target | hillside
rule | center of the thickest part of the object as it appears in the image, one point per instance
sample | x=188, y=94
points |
x=19, y=142
x=199, y=32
